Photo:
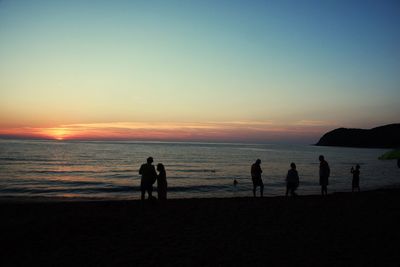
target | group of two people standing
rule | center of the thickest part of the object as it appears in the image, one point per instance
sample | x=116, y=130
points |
x=150, y=176
x=292, y=177
x=324, y=173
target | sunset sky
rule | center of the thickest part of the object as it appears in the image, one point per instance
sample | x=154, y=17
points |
x=251, y=71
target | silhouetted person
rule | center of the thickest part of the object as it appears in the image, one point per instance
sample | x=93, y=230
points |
x=324, y=172
x=256, y=177
x=149, y=176
x=356, y=178
x=235, y=182
x=292, y=180
x=161, y=182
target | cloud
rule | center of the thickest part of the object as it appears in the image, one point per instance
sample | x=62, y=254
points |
x=313, y=123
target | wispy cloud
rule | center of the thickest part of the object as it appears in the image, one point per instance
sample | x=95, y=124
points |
x=314, y=123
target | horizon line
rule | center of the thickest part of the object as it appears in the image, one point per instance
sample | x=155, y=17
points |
x=259, y=142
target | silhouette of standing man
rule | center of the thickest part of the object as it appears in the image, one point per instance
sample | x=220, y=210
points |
x=256, y=177
x=324, y=172
x=149, y=176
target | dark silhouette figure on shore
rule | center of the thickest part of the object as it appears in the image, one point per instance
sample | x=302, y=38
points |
x=292, y=180
x=256, y=177
x=235, y=182
x=161, y=182
x=355, y=184
x=149, y=176
x=324, y=172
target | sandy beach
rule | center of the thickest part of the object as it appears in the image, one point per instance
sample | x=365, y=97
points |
x=341, y=229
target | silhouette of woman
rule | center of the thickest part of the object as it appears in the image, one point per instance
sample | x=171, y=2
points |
x=161, y=182
x=292, y=180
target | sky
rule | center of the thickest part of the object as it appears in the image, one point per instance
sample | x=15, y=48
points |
x=248, y=71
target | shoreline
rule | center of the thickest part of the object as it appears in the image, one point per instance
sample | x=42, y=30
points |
x=35, y=199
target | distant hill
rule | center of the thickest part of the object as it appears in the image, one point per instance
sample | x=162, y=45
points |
x=387, y=136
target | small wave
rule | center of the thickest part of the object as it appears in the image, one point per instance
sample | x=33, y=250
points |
x=252, y=149
x=36, y=183
x=350, y=163
x=107, y=189
x=84, y=191
x=60, y=172
x=118, y=175
x=198, y=188
x=204, y=170
x=78, y=183
x=8, y=159
x=71, y=163
x=126, y=170
x=27, y=159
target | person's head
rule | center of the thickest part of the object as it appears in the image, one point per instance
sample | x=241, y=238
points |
x=150, y=160
x=321, y=158
x=160, y=167
x=293, y=166
x=258, y=161
x=357, y=167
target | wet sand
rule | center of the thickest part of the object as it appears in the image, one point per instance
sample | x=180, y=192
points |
x=341, y=229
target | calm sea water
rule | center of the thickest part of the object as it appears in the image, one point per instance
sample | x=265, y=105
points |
x=110, y=169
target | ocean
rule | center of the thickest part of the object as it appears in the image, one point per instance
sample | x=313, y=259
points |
x=109, y=170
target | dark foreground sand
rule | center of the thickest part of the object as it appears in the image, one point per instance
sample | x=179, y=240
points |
x=342, y=229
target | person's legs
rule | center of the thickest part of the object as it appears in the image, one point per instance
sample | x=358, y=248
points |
x=292, y=193
x=150, y=191
x=262, y=189
x=287, y=190
x=254, y=189
x=143, y=193
x=324, y=190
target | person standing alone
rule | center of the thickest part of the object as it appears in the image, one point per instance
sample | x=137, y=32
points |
x=149, y=176
x=256, y=177
x=324, y=172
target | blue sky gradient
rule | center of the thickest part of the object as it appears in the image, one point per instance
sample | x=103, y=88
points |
x=332, y=63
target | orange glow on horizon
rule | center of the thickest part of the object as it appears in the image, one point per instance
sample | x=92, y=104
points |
x=57, y=133
x=157, y=131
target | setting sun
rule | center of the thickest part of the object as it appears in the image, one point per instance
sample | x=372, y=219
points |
x=57, y=133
